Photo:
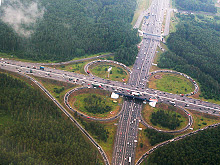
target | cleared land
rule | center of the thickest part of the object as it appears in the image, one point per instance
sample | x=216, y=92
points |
x=76, y=100
x=171, y=83
x=117, y=73
x=75, y=67
x=57, y=88
x=141, y=6
x=202, y=120
x=145, y=146
x=148, y=110
x=109, y=144
x=79, y=66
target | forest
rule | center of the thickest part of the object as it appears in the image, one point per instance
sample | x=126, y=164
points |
x=95, y=104
x=156, y=137
x=165, y=119
x=197, y=5
x=95, y=128
x=72, y=28
x=202, y=148
x=34, y=131
x=195, y=51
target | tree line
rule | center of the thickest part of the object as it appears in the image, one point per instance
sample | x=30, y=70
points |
x=96, y=104
x=197, y=5
x=95, y=128
x=34, y=131
x=72, y=28
x=201, y=148
x=194, y=50
x=156, y=137
x=165, y=119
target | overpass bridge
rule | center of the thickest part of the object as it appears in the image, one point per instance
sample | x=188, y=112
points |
x=112, y=86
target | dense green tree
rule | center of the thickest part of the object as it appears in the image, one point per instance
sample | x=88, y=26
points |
x=202, y=148
x=156, y=137
x=197, y=5
x=126, y=55
x=72, y=28
x=96, y=104
x=96, y=129
x=165, y=119
x=33, y=130
x=194, y=50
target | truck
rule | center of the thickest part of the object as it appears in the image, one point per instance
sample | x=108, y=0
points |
x=96, y=86
x=41, y=67
x=135, y=93
x=129, y=159
x=173, y=103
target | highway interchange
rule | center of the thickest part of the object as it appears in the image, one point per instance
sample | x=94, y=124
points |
x=130, y=115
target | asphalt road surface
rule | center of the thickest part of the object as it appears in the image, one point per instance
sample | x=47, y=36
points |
x=126, y=139
x=112, y=86
x=103, y=154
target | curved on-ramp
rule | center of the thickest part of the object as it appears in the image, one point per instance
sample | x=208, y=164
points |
x=179, y=73
x=102, y=152
x=66, y=97
x=190, y=122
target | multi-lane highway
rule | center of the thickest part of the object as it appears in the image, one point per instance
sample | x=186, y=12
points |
x=126, y=139
x=118, y=87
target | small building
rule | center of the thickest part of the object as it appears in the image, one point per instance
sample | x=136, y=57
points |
x=114, y=95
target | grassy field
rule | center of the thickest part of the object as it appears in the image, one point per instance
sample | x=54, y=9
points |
x=13, y=57
x=157, y=56
x=158, y=53
x=77, y=67
x=142, y=138
x=91, y=55
x=148, y=110
x=51, y=85
x=74, y=67
x=107, y=146
x=141, y=5
x=171, y=83
x=118, y=73
x=202, y=120
x=173, y=22
x=76, y=100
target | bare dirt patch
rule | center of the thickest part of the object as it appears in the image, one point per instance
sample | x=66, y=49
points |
x=158, y=76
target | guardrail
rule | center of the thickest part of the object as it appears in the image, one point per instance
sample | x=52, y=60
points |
x=86, y=67
x=179, y=73
x=71, y=118
x=190, y=122
x=172, y=140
